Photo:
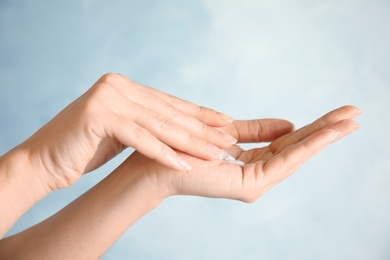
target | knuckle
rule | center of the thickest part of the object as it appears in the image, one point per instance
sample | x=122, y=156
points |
x=103, y=87
x=261, y=131
x=110, y=78
x=91, y=108
x=96, y=98
x=212, y=112
x=101, y=90
x=201, y=109
x=205, y=110
x=160, y=121
x=205, y=129
x=173, y=111
x=188, y=137
x=161, y=148
x=140, y=135
x=174, y=101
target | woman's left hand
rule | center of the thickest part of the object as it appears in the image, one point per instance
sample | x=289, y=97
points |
x=264, y=167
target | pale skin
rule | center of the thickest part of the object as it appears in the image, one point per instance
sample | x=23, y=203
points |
x=87, y=227
x=113, y=114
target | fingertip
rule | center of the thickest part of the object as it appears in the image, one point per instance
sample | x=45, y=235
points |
x=289, y=126
x=225, y=118
x=358, y=111
x=228, y=139
x=183, y=165
x=343, y=128
x=179, y=163
x=355, y=111
x=349, y=111
x=216, y=119
x=354, y=126
x=213, y=151
x=280, y=127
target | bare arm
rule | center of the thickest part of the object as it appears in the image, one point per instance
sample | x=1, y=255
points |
x=91, y=224
x=87, y=227
x=115, y=113
x=20, y=188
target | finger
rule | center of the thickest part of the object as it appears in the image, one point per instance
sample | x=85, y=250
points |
x=133, y=135
x=177, y=137
x=172, y=112
x=204, y=114
x=199, y=141
x=151, y=96
x=345, y=112
x=195, y=127
x=259, y=130
x=181, y=132
x=287, y=161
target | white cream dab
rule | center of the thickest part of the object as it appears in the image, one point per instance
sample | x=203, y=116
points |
x=230, y=159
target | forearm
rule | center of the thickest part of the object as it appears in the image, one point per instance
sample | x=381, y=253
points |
x=20, y=187
x=87, y=227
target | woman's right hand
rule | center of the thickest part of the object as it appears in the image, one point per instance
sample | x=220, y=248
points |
x=116, y=113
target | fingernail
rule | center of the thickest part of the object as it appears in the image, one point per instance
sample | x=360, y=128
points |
x=183, y=165
x=355, y=127
x=357, y=112
x=225, y=117
x=229, y=139
x=215, y=151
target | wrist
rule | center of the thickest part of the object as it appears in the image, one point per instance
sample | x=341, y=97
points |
x=154, y=178
x=16, y=168
x=20, y=187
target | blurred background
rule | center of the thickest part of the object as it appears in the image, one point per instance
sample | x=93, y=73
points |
x=250, y=59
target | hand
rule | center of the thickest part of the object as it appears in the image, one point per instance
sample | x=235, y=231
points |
x=264, y=167
x=117, y=113
x=140, y=184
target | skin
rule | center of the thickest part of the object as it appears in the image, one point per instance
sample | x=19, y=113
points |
x=115, y=113
x=87, y=227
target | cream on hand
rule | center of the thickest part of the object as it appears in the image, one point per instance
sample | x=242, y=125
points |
x=230, y=159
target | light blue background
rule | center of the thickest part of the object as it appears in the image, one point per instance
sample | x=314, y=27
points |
x=250, y=59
